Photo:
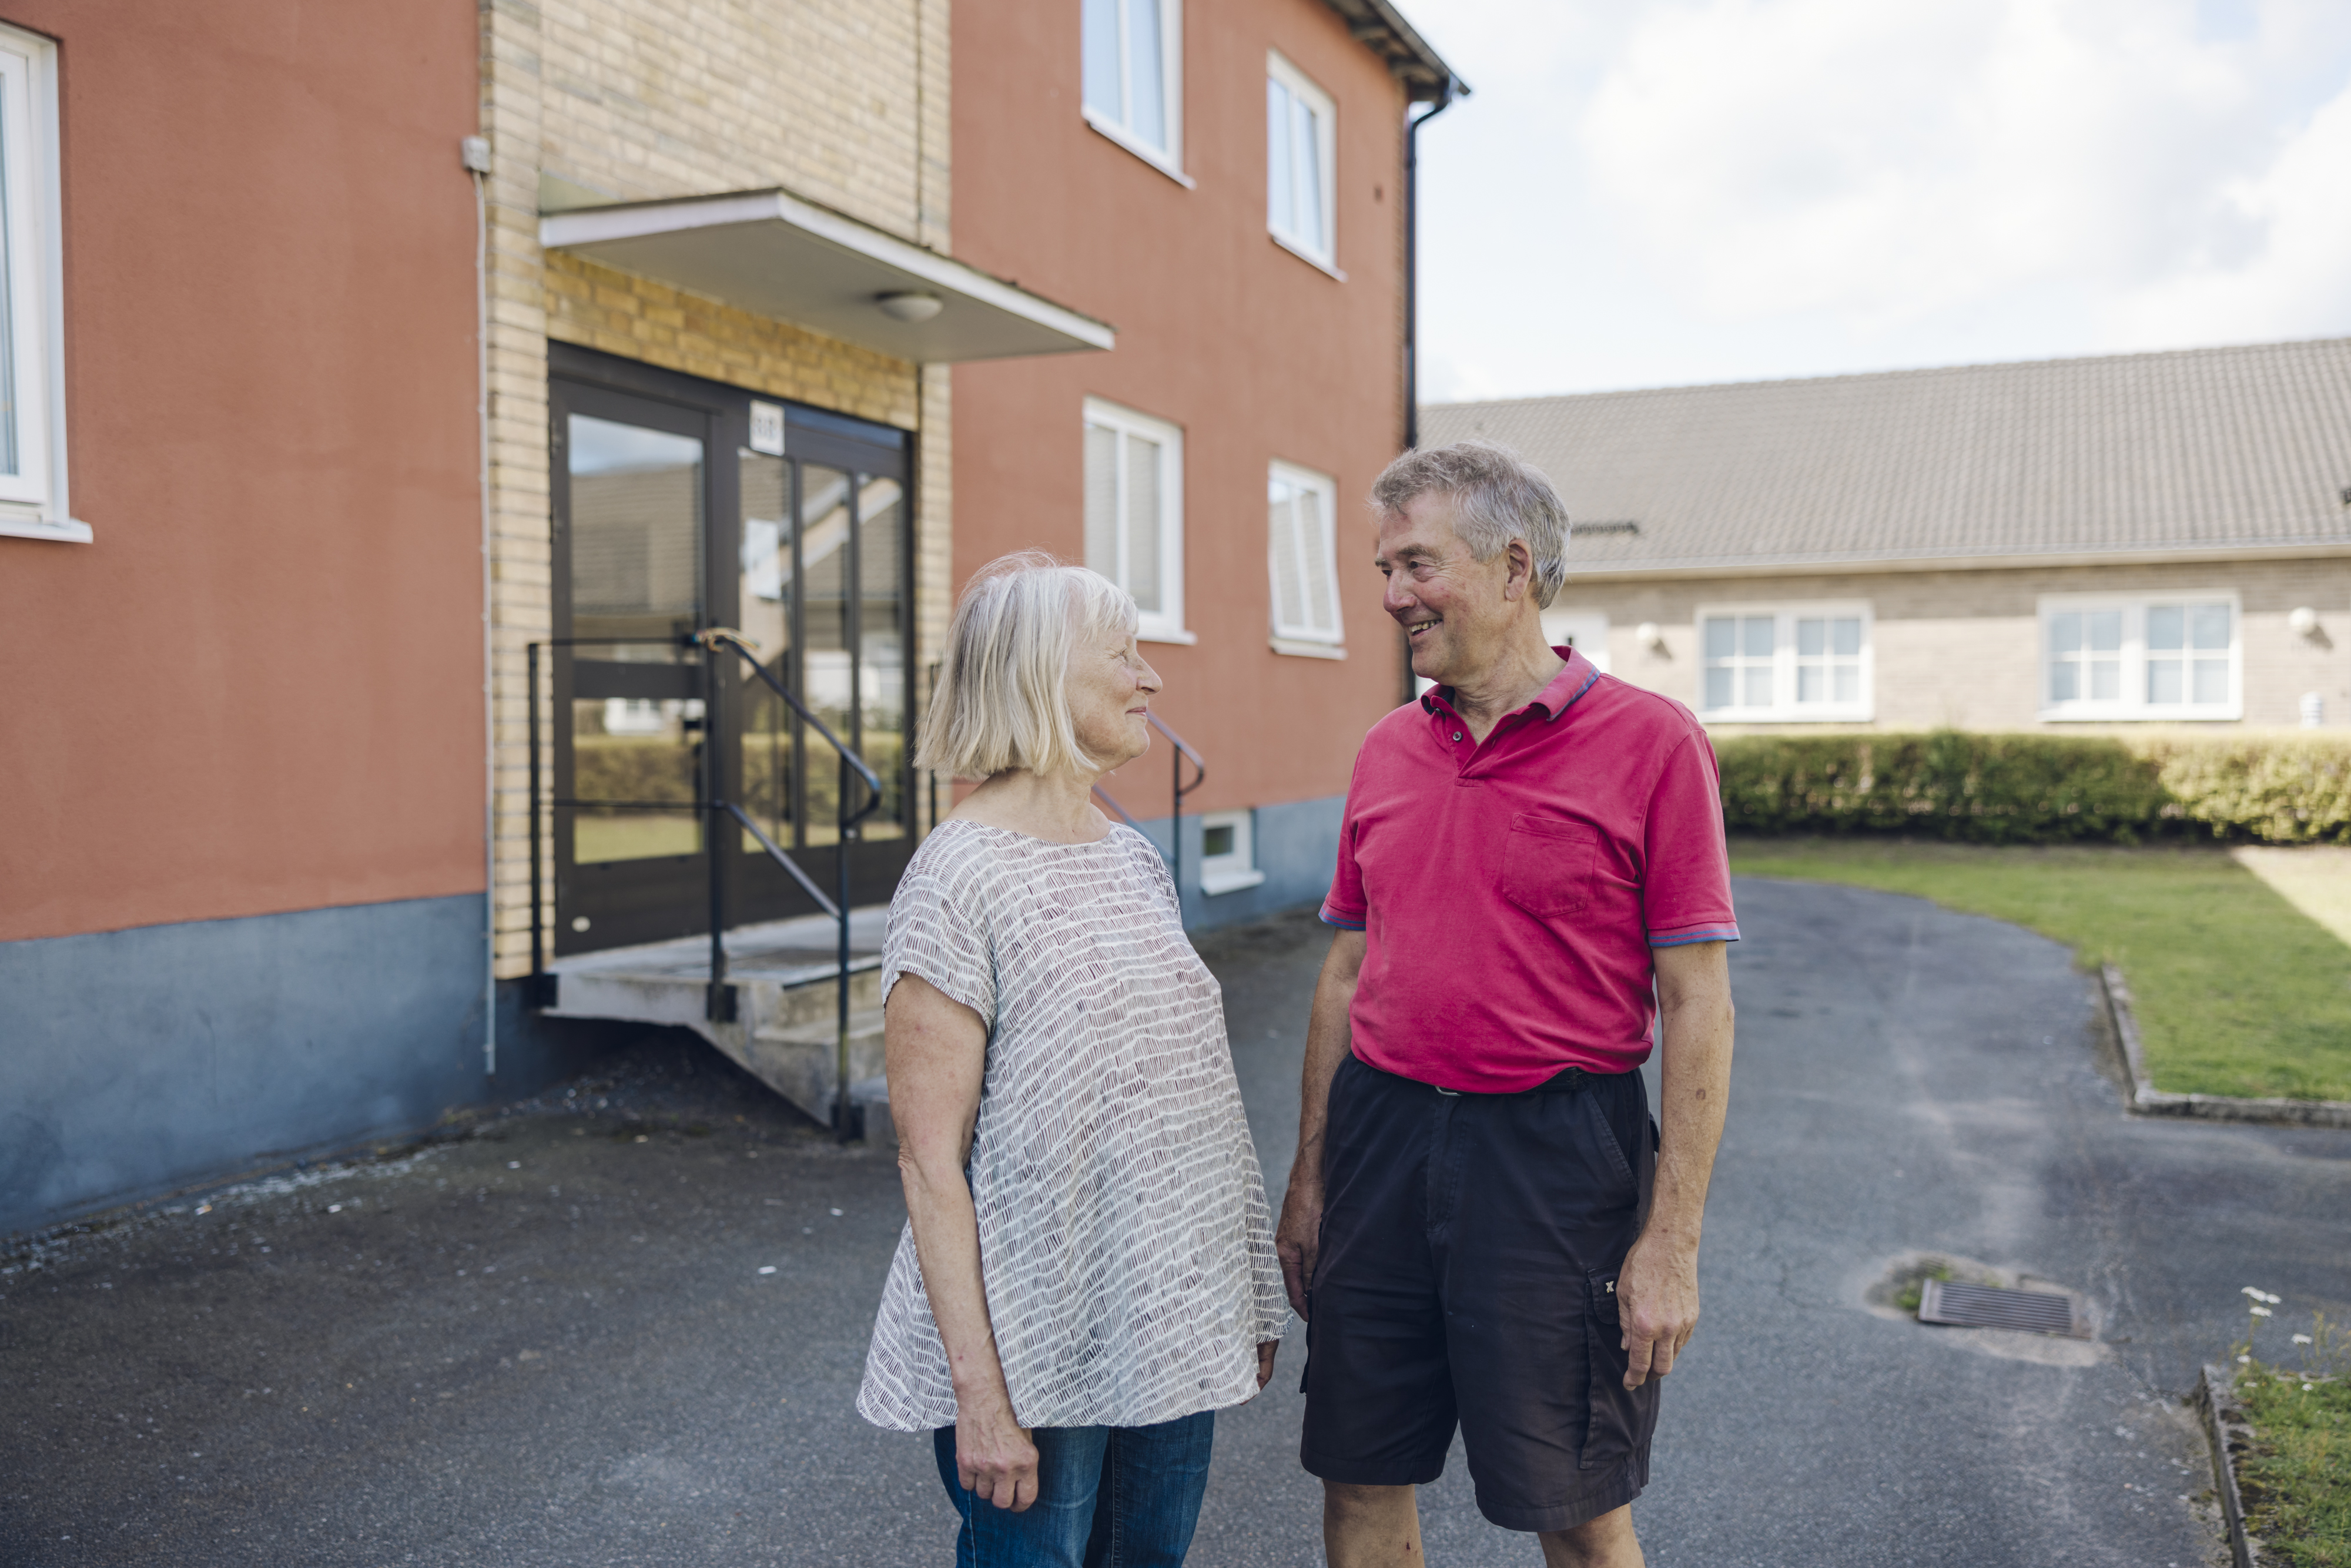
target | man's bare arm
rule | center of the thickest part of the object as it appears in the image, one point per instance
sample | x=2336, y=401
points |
x=1326, y=1046
x=1657, y=1290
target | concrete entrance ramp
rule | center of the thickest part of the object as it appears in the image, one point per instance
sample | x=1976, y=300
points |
x=785, y=1026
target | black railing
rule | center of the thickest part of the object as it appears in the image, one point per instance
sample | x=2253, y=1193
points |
x=1183, y=753
x=718, y=1001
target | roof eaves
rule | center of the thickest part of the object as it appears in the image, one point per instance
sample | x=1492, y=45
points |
x=1841, y=562
x=1381, y=27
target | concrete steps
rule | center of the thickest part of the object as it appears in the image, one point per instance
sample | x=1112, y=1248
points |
x=785, y=1032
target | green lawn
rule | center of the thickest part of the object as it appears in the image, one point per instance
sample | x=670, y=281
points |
x=2238, y=991
x=2297, y=1480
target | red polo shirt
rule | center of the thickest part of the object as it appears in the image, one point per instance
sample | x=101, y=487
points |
x=1510, y=893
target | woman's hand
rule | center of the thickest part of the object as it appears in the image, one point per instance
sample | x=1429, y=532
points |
x=995, y=1460
x=1265, y=1354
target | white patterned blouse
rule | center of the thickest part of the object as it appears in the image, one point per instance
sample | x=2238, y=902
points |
x=1124, y=1244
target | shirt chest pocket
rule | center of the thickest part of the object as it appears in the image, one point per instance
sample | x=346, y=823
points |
x=1547, y=865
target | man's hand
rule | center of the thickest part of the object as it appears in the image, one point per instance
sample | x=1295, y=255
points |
x=1656, y=1305
x=1295, y=1237
x=995, y=1460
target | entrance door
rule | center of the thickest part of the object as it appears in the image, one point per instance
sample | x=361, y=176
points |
x=667, y=519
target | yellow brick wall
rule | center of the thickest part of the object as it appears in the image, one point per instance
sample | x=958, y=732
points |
x=1962, y=648
x=598, y=308
x=842, y=101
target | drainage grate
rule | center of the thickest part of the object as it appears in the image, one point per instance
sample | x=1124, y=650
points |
x=1992, y=1307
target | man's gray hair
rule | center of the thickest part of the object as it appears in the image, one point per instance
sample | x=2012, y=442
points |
x=1497, y=496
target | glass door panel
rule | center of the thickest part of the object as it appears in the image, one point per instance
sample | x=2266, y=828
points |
x=880, y=650
x=632, y=504
x=828, y=658
x=765, y=591
x=643, y=754
x=635, y=536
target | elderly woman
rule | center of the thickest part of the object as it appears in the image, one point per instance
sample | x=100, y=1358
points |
x=1088, y=1271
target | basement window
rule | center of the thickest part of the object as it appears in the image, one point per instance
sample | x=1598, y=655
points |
x=1228, y=852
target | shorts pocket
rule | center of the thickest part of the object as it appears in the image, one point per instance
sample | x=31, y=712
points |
x=1619, y=1422
x=1547, y=865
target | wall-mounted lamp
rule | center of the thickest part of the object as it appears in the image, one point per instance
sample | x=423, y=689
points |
x=2302, y=620
x=1651, y=636
x=909, y=306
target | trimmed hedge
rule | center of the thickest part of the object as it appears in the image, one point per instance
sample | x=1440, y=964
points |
x=2287, y=787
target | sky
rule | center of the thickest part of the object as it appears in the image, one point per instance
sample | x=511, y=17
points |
x=1661, y=192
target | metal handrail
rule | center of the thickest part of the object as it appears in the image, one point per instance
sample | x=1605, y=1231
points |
x=1183, y=754
x=712, y=639
x=719, y=996
x=1176, y=823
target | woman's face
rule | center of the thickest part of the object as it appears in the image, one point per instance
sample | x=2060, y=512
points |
x=1111, y=690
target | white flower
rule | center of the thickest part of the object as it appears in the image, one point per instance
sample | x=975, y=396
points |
x=2306, y=1388
x=2242, y=1358
x=2273, y=1300
x=2301, y=1339
x=2254, y=1291
x=2261, y=1311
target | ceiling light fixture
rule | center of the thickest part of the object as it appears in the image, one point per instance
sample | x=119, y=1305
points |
x=910, y=306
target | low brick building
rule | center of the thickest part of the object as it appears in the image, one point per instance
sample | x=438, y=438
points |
x=2065, y=545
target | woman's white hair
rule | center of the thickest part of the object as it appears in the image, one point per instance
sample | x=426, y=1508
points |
x=1003, y=695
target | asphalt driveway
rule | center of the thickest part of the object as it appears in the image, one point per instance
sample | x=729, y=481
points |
x=553, y=1342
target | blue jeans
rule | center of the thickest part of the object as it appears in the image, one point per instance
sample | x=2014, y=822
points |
x=1107, y=1497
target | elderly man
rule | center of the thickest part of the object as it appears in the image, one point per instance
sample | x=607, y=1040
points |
x=1483, y=1225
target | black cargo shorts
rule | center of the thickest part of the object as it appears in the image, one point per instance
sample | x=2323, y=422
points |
x=1467, y=1274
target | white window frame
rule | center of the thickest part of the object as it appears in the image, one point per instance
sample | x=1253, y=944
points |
x=34, y=501
x=1326, y=154
x=2133, y=706
x=1585, y=629
x=1166, y=625
x=1167, y=160
x=1784, y=708
x=1231, y=871
x=1308, y=641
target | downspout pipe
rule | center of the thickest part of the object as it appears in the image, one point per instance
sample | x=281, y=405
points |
x=1448, y=91
x=474, y=153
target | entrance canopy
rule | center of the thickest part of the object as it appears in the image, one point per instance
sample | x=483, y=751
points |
x=772, y=253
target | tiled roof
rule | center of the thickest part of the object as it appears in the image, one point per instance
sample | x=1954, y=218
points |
x=2201, y=450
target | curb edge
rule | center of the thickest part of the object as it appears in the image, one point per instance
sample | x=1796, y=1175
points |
x=2218, y=1425
x=2145, y=1100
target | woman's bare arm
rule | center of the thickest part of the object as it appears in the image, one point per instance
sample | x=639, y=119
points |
x=937, y=1051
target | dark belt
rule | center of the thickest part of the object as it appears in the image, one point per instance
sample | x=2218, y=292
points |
x=1566, y=1081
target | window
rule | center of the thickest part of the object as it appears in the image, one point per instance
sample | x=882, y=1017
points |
x=1299, y=194
x=1228, y=852
x=1585, y=630
x=1302, y=555
x=1785, y=662
x=1134, y=513
x=33, y=502
x=2148, y=656
x=1134, y=73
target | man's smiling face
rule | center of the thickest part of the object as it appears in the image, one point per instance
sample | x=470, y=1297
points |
x=1452, y=606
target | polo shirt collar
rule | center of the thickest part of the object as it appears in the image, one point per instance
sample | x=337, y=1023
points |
x=1554, y=699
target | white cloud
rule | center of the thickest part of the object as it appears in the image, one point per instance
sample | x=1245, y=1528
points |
x=2295, y=282
x=1663, y=190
